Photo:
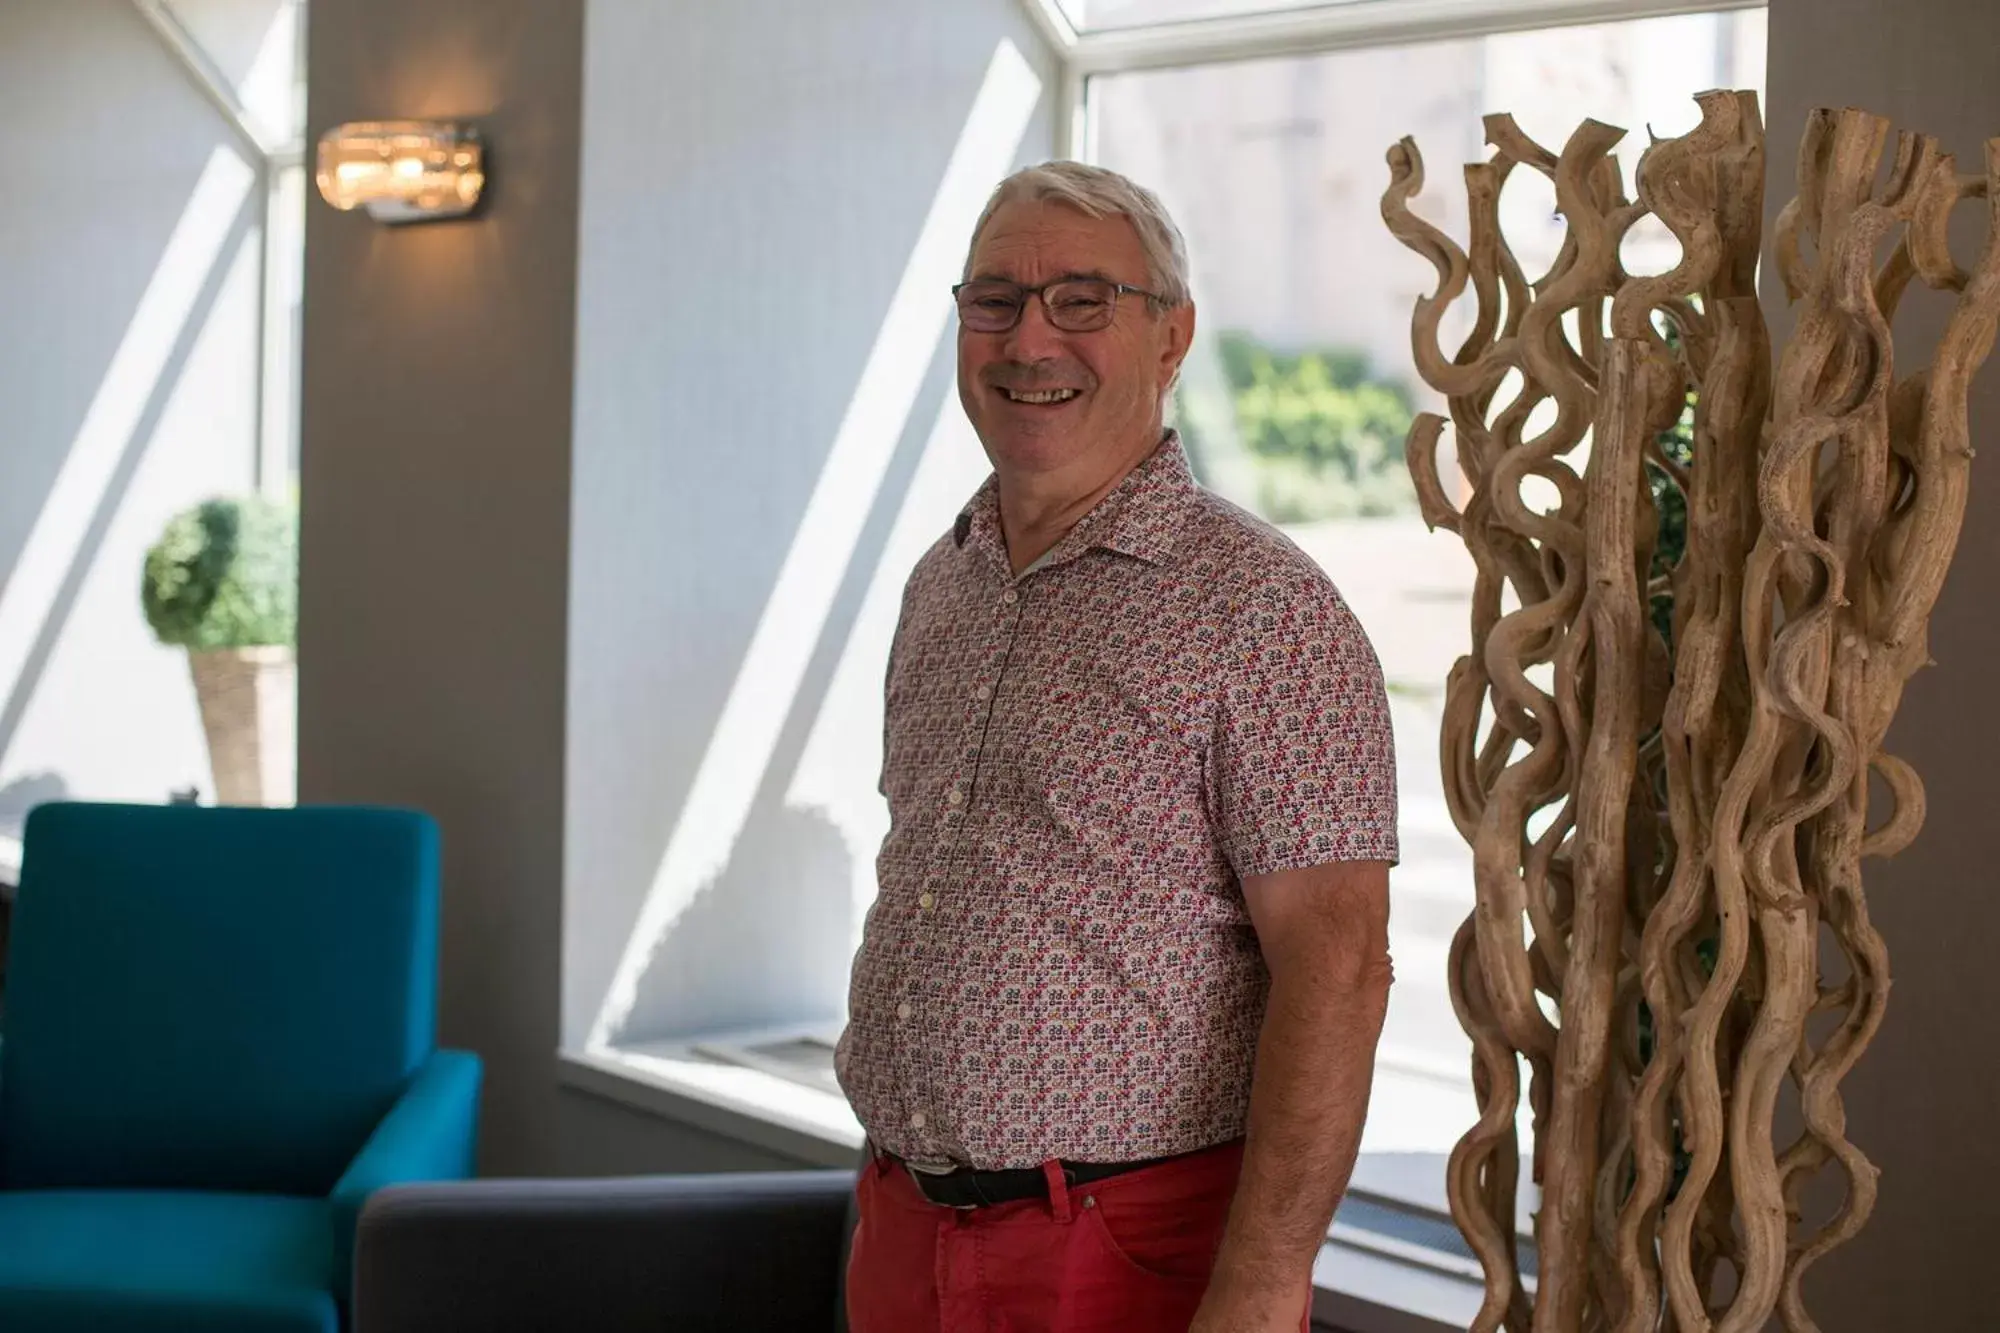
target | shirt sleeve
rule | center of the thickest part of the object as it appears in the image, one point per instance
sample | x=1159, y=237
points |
x=1303, y=765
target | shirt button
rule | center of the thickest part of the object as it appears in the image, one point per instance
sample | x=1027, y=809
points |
x=1010, y=597
x=955, y=796
x=903, y=1009
x=918, y=1120
x=983, y=693
x=927, y=900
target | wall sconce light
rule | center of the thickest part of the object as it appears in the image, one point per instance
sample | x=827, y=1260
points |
x=402, y=170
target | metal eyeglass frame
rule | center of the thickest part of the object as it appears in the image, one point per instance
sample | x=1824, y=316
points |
x=1118, y=289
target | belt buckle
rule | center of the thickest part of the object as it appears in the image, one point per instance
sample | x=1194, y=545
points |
x=919, y=1173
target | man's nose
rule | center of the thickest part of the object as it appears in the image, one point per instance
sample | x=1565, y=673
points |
x=1033, y=338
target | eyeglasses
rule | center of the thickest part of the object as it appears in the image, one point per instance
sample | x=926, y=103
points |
x=1074, y=305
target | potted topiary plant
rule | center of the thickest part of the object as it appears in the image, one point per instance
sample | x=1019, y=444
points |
x=222, y=582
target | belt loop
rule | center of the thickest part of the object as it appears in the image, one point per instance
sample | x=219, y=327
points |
x=1052, y=1171
x=882, y=1161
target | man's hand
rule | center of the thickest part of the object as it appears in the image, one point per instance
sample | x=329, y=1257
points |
x=1324, y=933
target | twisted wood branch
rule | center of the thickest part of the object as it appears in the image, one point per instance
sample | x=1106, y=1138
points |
x=1663, y=827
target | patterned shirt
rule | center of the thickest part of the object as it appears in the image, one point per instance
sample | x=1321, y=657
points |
x=1082, y=763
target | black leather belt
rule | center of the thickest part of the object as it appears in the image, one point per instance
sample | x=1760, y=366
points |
x=966, y=1188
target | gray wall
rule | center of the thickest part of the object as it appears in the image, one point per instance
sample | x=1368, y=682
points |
x=1921, y=1101
x=756, y=186
x=128, y=356
x=434, y=488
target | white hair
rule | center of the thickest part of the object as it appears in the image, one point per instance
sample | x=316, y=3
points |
x=1099, y=192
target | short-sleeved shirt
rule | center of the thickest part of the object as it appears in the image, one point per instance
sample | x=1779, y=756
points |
x=1082, y=764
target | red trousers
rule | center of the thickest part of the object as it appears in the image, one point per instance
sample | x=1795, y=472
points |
x=1130, y=1254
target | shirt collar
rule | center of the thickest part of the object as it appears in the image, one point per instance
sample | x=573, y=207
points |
x=1142, y=516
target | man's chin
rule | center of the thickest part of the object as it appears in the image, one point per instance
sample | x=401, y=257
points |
x=1031, y=447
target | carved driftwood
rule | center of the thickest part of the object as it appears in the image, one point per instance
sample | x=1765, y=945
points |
x=1666, y=826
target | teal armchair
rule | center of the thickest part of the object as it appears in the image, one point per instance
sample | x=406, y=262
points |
x=219, y=1040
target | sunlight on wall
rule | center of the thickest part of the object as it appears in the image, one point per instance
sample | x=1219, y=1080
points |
x=838, y=773
x=191, y=254
x=739, y=750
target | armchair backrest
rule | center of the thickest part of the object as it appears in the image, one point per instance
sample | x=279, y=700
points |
x=213, y=998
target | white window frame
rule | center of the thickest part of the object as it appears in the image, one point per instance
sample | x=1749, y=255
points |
x=1400, y=1275
x=1306, y=30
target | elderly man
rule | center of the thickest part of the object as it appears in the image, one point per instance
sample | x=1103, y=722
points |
x=1114, y=1015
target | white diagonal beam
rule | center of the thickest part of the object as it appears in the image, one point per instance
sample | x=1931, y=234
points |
x=1051, y=20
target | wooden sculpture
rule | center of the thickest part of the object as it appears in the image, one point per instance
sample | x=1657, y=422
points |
x=1661, y=759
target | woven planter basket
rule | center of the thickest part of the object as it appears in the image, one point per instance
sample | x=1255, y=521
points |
x=249, y=709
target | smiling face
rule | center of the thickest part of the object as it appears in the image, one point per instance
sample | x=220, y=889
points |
x=1044, y=400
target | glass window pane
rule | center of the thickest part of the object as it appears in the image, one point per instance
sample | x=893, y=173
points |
x=1299, y=390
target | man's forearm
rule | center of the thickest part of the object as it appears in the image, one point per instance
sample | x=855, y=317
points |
x=1315, y=1061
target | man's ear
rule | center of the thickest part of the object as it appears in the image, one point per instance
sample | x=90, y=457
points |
x=1179, y=324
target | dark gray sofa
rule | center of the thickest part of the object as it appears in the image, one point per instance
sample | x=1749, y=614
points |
x=741, y=1253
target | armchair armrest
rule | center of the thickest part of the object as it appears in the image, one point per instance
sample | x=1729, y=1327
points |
x=755, y=1252
x=429, y=1134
